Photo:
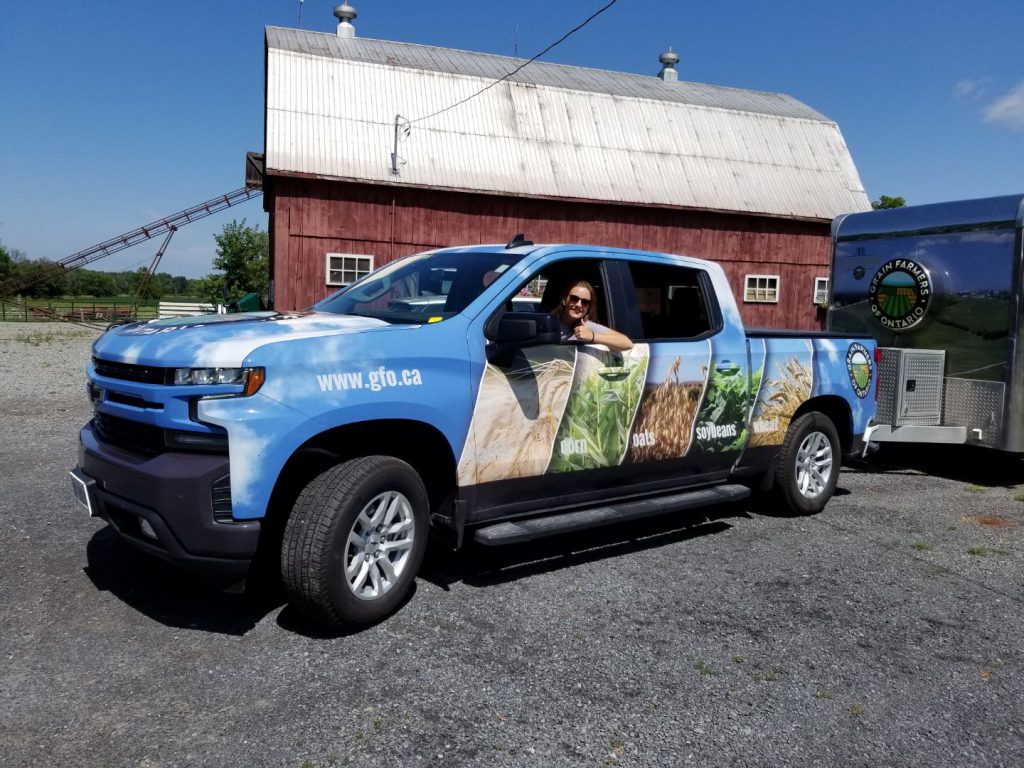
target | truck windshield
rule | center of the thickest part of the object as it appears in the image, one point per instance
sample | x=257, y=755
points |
x=425, y=288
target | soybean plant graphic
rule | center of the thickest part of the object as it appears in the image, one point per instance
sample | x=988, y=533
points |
x=721, y=424
x=602, y=404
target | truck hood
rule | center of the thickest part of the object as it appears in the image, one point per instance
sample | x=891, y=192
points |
x=221, y=341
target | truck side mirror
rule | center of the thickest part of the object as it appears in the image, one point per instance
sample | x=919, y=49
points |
x=524, y=329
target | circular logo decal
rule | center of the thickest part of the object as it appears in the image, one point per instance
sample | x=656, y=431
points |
x=858, y=365
x=899, y=294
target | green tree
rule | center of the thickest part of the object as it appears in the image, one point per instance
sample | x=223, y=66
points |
x=6, y=264
x=92, y=283
x=171, y=285
x=885, y=201
x=243, y=258
x=47, y=281
x=150, y=287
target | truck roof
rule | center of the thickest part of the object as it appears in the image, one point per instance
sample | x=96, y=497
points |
x=995, y=212
x=545, y=249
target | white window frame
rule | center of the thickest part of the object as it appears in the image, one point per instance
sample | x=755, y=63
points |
x=354, y=265
x=761, y=289
x=821, y=291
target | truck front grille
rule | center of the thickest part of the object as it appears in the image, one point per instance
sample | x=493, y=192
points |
x=147, y=374
x=138, y=438
x=147, y=440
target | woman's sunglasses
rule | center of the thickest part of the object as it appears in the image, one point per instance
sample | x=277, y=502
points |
x=574, y=299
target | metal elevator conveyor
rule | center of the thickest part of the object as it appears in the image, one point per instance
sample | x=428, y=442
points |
x=154, y=229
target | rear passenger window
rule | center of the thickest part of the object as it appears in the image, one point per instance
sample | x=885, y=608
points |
x=672, y=301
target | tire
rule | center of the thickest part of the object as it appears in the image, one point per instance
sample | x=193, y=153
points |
x=339, y=567
x=808, y=466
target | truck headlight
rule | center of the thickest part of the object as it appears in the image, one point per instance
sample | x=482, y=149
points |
x=250, y=379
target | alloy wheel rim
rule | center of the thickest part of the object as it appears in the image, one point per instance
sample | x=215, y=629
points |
x=379, y=545
x=813, y=465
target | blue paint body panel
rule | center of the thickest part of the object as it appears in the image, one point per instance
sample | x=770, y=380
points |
x=324, y=371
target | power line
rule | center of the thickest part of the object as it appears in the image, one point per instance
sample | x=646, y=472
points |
x=560, y=40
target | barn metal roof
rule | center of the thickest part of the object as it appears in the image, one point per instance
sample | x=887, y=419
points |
x=548, y=131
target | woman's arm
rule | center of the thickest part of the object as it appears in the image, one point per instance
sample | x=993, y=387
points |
x=589, y=334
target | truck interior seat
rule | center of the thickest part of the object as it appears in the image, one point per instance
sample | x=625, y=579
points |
x=686, y=315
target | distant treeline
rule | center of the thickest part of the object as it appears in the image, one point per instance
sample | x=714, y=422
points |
x=87, y=282
x=242, y=260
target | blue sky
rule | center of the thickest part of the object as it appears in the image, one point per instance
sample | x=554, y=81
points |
x=119, y=112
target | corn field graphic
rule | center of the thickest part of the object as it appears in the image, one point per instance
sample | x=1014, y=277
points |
x=598, y=418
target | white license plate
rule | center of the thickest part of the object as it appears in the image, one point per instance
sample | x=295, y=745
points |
x=82, y=487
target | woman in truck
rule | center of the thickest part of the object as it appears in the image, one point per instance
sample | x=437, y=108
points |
x=574, y=313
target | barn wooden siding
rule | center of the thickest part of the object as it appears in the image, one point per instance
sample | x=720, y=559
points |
x=311, y=217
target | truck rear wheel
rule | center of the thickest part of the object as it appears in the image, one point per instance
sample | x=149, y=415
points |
x=808, y=465
x=355, y=540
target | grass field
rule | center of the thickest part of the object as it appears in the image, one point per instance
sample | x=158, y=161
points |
x=82, y=308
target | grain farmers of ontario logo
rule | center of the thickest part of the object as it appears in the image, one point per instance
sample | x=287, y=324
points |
x=858, y=365
x=899, y=294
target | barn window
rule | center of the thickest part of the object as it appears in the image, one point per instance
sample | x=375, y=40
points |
x=345, y=268
x=762, y=289
x=821, y=291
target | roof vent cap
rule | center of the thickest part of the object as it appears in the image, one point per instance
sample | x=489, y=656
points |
x=668, y=60
x=345, y=13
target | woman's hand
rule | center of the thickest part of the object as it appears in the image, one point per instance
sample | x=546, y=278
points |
x=584, y=334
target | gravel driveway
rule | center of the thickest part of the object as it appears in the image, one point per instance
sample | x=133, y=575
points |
x=885, y=631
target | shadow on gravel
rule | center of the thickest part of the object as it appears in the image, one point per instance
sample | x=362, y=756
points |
x=769, y=506
x=979, y=466
x=481, y=566
x=169, y=595
x=291, y=619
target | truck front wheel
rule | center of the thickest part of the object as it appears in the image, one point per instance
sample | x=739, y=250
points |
x=808, y=465
x=355, y=540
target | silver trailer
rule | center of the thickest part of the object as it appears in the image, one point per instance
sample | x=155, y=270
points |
x=940, y=287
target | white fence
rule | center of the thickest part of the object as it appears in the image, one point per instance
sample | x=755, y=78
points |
x=179, y=308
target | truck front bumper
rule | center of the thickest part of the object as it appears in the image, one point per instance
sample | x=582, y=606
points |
x=164, y=505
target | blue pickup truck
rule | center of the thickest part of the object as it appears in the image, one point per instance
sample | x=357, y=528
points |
x=438, y=393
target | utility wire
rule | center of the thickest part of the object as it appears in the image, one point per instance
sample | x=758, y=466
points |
x=560, y=40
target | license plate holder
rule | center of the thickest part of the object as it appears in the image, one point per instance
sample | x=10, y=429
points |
x=83, y=488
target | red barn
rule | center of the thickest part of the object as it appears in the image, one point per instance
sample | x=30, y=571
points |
x=376, y=149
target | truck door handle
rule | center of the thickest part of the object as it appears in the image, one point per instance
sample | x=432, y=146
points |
x=727, y=366
x=615, y=372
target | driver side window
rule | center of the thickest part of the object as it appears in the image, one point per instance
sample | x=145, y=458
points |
x=544, y=290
